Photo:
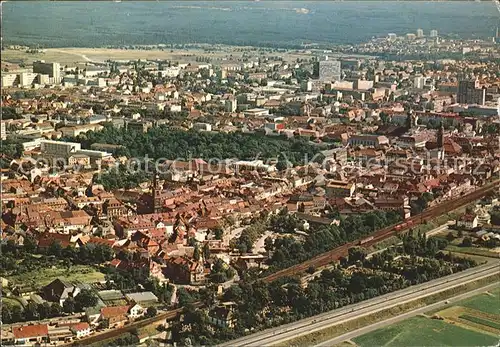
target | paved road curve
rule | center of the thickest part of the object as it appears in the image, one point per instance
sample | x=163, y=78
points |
x=306, y=326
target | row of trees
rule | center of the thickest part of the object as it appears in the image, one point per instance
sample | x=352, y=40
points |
x=87, y=254
x=33, y=311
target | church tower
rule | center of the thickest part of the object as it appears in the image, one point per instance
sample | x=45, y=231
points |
x=440, y=142
x=410, y=119
x=440, y=137
x=155, y=192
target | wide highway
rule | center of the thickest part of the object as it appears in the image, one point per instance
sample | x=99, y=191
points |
x=306, y=326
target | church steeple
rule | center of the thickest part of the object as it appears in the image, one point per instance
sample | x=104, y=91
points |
x=440, y=137
x=410, y=119
x=154, y=193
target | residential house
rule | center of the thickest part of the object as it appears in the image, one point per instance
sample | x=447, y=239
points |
x=184, y=270
x=59, y=291
x=135, y=311
x=467, y=221
x=81, y=330
x=368, y=140
x=222, y=315
x=340, y=189
x=60, y=334
x=114, y=316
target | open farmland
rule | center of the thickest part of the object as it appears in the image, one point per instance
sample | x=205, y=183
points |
x=425, y=331
x=470, y=322
x=488, y=302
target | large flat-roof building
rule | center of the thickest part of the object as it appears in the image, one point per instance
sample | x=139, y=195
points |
x=27, y=78
x=51, y=69
x=58, y=148
x=9, y=79
x=328, y=70
x=470, y=92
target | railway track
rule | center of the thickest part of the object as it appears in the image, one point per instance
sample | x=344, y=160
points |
x=327, y=257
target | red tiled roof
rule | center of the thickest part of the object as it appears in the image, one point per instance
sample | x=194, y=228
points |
x=101, y=241
x=114, y=311
x=80, y=326
x=115, y=262
x=28, y=331
x=467, y=217
x=48, y=239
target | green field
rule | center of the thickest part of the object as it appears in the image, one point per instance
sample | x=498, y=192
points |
x=485, y=302
x=481, y=321
x=422, y=331
x=495, y=291
x=483, y=252
x=42, y=277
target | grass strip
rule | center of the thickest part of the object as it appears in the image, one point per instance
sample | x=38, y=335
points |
x=481, y=321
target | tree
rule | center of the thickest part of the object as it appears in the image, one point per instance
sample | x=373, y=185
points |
x=31, y=311
x=55, y=310
x=196, y=253
x=206, y=251
x=69, y=305
x=495, y=217
x=17, y=313
x=104, y=324
x=219, y=232
x=151, y=312
x=268, y=243
x=30, y=244
x=55, y=249
x=44, y=310
x=466, y=242
x=7, y=314
x=450, y=237
x=356, y=254
x=86, y=298
x=384, y=117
